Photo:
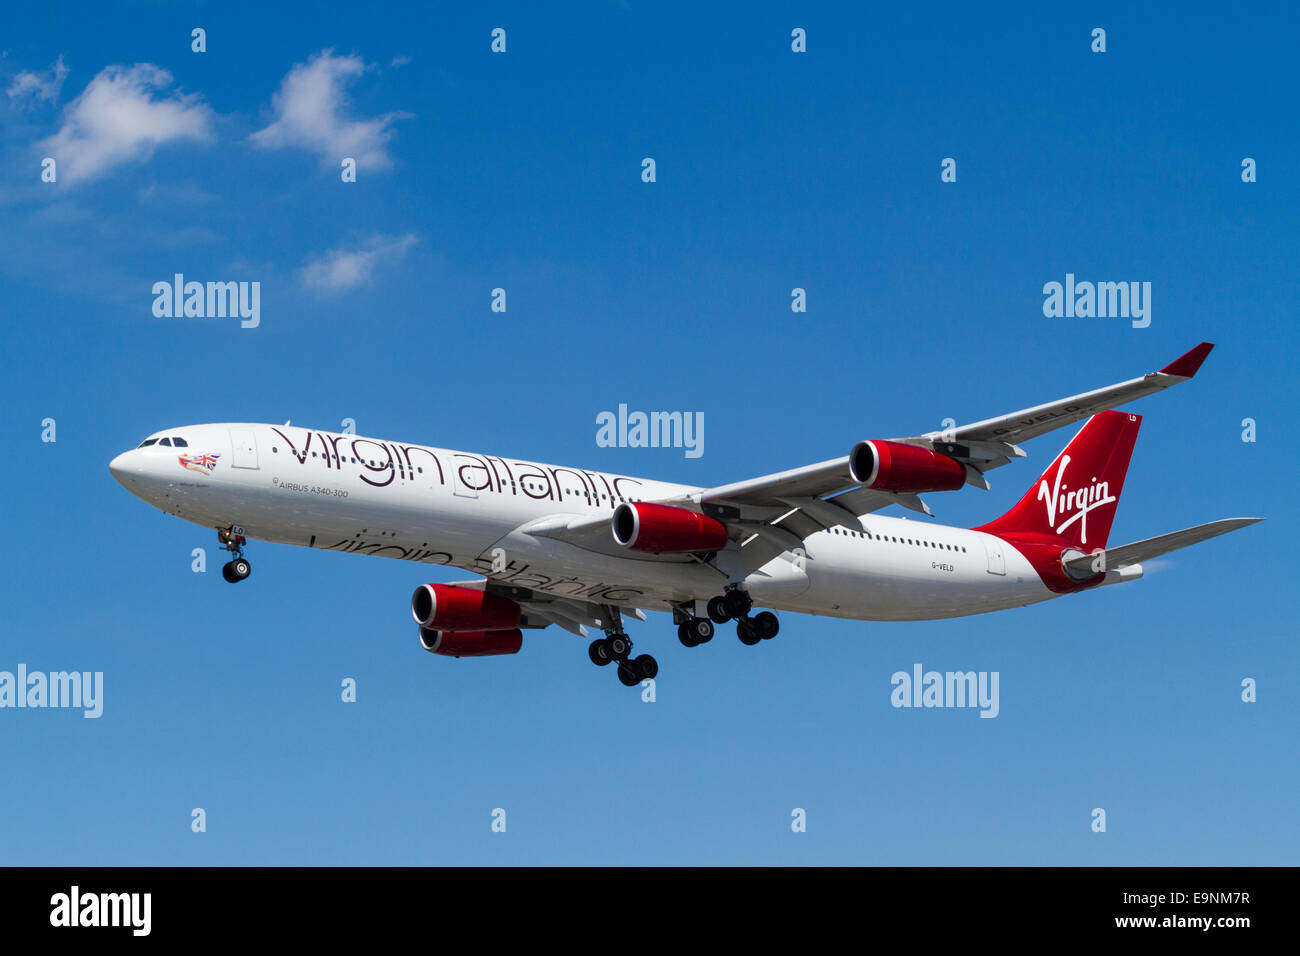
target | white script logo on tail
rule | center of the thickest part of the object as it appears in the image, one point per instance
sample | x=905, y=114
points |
x=1080, y=501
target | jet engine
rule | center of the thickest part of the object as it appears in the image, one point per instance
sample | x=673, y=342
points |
x=663, y=529
x=896, y=466
x=471, y=643
x=451, y=607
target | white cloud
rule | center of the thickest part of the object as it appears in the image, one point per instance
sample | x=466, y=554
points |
x=309, y=108
x=28, y=87
x=341, y=269
x=119, y=118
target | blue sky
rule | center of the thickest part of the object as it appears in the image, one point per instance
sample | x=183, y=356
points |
x=775, y=170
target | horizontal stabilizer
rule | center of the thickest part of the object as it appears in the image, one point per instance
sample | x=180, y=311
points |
x=1128, y=554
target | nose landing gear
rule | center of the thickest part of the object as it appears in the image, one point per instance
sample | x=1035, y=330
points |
x=232, y=539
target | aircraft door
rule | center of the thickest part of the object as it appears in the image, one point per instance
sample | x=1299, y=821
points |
x=243, y=443
x=993, y=547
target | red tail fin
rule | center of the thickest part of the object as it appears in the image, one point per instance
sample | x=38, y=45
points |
x=1074, y=502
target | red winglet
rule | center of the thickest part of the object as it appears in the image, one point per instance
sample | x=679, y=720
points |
x=1187, y=365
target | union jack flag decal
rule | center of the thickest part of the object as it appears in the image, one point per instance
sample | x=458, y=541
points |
x=200, y=463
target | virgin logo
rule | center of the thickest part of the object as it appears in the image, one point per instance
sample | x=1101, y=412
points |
x=1074, y=502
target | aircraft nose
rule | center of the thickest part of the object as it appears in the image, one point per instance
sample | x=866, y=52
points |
x=124, y=468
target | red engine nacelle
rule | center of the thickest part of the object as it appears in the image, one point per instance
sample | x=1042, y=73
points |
x=663, y=529
x=448, y=607
x=895, y=466
x=471, y=643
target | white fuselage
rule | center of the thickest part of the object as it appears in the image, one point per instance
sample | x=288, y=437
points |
x=367, y=496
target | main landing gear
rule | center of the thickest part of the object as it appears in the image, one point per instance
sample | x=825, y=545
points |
x=616, y=648
x=232, y=539
x=695, y=631
x=734, y=604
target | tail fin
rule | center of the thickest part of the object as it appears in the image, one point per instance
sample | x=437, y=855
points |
x=1074, y=502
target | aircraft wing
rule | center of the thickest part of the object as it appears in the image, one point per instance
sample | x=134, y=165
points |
x=775, y=512
x=1032, y=422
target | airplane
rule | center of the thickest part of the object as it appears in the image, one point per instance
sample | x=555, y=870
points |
x=582, y=549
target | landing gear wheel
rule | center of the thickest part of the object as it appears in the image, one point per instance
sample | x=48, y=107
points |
x=619, y=646
x=736, y=603
x=647, y=667
x=700, y=630
x=718, y=611
x=684, y=635
x=627, y=674
x=236, y=570
x=598, y=651
x=747, y=631
x=767, y=625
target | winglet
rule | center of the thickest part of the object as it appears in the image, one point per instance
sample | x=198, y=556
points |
x=1186, y=365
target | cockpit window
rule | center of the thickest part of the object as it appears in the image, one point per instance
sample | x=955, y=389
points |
x=165, y=441
x=147, y=442
x=180, y=442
